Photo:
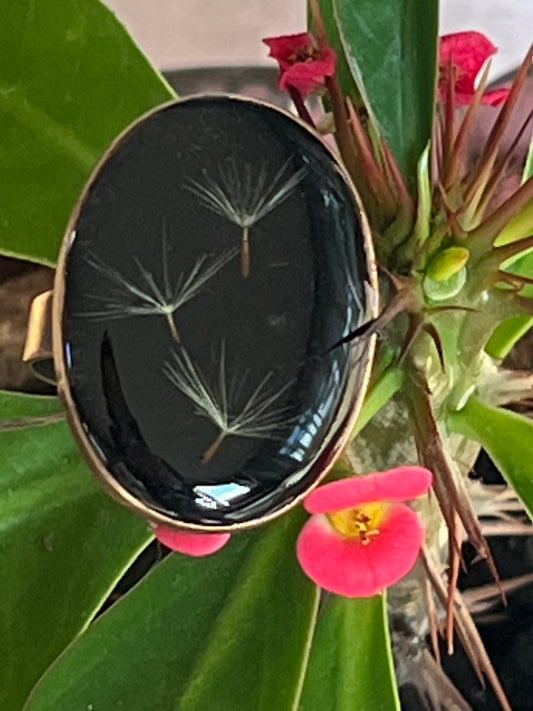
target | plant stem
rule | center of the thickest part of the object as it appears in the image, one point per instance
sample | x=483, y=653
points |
x=300, y=106
x=346, y=144
x=432, y=454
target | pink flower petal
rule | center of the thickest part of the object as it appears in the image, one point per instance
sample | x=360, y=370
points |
x=195, y=544
x=397, y=484
x=347, y=567
x=302, y=64
x=306, y=76
x=495, y=97
x=468, y=52
x=282, y=48
x=491, y=98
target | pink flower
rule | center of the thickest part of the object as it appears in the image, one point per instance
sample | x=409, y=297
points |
x=359, y=539
x=303, y=65
x=465, y=53
x=195, y=544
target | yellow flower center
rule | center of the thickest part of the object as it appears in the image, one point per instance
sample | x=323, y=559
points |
x=358, y=522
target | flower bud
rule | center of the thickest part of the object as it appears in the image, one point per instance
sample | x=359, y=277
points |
x=447, y=263
x=446, y=289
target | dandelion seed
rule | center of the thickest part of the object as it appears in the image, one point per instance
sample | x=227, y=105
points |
x=150, y=296
x=253, y=416
x=244, y=199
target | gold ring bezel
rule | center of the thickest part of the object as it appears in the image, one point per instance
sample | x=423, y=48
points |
x=110, y=484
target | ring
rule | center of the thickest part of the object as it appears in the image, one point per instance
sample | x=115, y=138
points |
x=216, y=259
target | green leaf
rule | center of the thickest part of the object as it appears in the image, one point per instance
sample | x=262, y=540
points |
x=350, y=666
x=507, y=438
x=507, y=334
x=63, y=542
x=227, y=632
x=342, y=69
x=391, y=47
x=519, y=227
x=70, y=79
x=18, y=410
x=378, y=395
x=423, y=207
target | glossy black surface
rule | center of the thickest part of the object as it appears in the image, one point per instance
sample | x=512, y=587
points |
x=224, y=409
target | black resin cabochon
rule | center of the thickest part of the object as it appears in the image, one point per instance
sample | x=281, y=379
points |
x=216, y=260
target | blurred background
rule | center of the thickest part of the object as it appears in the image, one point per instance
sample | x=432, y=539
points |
x=180, y=34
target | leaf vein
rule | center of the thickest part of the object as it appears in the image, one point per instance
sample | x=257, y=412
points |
x=41, y=123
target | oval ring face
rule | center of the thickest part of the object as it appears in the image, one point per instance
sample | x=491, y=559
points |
x=215, y=260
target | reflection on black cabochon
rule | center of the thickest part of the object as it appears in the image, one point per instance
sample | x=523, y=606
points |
x=216, y=258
